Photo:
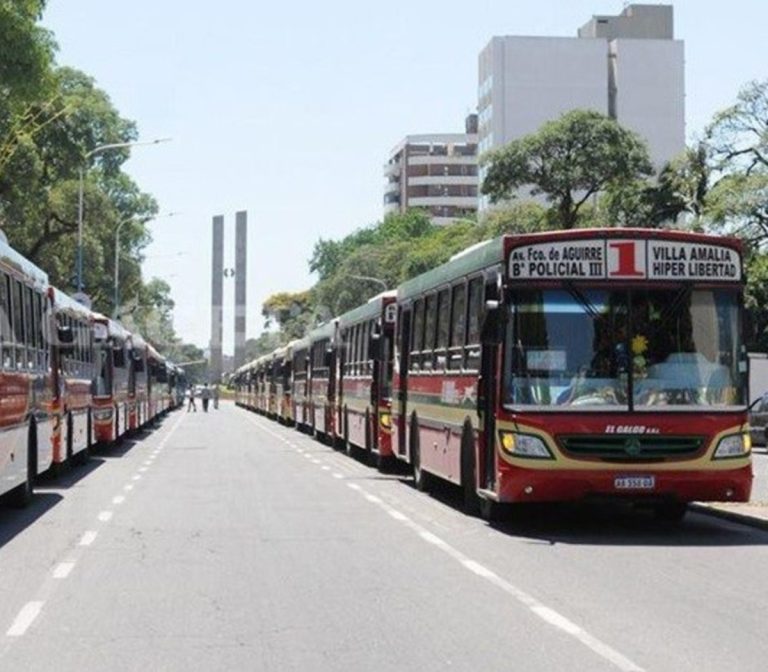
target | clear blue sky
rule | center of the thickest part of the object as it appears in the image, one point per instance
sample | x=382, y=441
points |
x=289, y=109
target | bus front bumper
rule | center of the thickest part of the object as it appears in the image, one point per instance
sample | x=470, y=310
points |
x=632, y=484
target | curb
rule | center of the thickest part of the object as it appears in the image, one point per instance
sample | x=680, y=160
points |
x=733, y=516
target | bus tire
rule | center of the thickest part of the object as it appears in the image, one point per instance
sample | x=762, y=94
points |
x=490, y=511
x=420, y=477
x=471, y=503
x=21, y=495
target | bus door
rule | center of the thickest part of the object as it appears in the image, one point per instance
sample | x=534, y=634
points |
x=404, y=340
x=487, y=386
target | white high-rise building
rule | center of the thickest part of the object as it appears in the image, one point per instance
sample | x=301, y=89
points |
x=629, y=67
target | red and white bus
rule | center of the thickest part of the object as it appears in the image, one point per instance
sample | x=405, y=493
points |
x=28, y=408
x=73, y=369
x=300, y=378
x=138, y=383
x=568, y=365
x=322, y=385
x=364, y=400
x=111, y=384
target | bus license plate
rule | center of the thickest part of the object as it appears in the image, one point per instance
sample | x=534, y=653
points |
x=634, y=482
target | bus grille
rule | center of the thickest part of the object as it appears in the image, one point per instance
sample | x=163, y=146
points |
x=631, y=447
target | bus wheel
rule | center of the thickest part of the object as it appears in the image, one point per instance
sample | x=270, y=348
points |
x=21, y=495
x=670, y=512
x=468, y=476
x=420, y=477
x=490, y=511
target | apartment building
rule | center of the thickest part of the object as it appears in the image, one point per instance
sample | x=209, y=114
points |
x=436, y=172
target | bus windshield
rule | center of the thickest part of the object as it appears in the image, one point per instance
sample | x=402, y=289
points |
x=641, y=349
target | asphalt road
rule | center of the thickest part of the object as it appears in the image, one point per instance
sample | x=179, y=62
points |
x=226, y=542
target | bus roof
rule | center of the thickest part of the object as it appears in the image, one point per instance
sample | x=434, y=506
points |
x=11, y=260
x=368, y=310
x=475, y=258
x=64, y=303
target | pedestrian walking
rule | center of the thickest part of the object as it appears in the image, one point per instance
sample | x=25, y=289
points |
x=191, y=396
x=205, y=395
x=216, y=396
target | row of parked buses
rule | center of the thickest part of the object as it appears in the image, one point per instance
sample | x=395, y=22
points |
x=69, y=378
x=545, y=367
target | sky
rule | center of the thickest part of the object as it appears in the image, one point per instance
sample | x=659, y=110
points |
x=289, y=110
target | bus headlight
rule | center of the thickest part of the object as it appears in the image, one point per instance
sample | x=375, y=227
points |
x=524, y=445
x=385, y=420
x=735, y=445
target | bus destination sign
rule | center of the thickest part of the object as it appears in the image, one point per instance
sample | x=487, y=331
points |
x=622, y=259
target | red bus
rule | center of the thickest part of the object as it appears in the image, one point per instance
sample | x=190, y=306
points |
x=300, y=390
x=568, y=365
x=138, y=384
x=28, y=408
x=73, y=369
x=322, y=384
x=111, y=383
x=364, y=402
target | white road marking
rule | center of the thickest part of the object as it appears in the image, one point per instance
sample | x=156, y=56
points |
x=137, y=477
x=88, y=538
x=545, y=613
x=128, y=487
x=326, y=467
x=143, y=469
x=29, y=612
x=335, y=475
x=105, y=516
x=397, y=515
x=118, y=500
x=63, y=569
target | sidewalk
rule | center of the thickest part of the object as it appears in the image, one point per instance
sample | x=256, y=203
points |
x=755, y=512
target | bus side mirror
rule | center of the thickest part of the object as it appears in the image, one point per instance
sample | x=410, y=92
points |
x=66, y=340
x=491, y=329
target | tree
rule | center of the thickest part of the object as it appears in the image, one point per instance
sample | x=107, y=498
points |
x=738, y=135
x=568, y=161
x=39, y=191
x=290, y=310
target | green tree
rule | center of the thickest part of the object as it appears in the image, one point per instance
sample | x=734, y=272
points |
x=39, y=192
x=290, y=311
x=568, y=161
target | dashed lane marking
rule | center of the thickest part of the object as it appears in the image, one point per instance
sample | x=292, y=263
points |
x=63, y=569
x=29, y=612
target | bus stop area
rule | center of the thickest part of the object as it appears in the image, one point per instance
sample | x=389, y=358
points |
x=754, y=512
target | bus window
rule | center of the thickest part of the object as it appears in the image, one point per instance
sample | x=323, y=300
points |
x=458, y=327
x=473, y=323
x=443, y=327
x=18, y=323
x=430, y=325
x=364, y=343
x=37, y=310
x=6, y=333
x=417, y=334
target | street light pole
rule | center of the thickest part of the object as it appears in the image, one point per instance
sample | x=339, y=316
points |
x=117, y=258
x=88, y=155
